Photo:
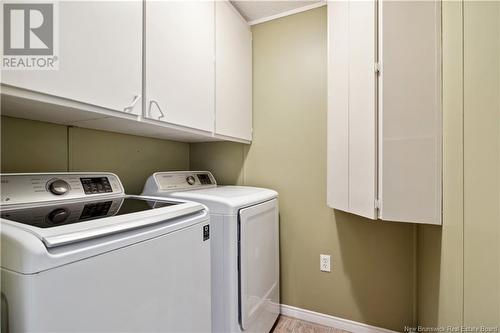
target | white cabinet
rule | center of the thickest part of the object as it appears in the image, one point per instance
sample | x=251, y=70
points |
x=179, y=63
x=410, y=111
x=100, y=56
x=144, y=68
x=233, y=73
x=384, y=109
x=352, y=107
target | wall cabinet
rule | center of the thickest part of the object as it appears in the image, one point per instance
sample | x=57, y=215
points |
x=100, y=63
x=180, y=62
x=151, y=71
x=233, y=73
x=352, y=107
x=384, y=109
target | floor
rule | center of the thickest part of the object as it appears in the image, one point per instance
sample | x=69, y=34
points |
x=291, y=325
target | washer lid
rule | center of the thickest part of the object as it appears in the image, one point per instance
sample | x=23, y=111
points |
x=29, y=249
x=71, y=222
x=226, y=199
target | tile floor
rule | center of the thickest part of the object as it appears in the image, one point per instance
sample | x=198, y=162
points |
x=291, y=325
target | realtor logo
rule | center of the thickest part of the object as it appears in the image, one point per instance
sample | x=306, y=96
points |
x=28, y=29
x=29, y=36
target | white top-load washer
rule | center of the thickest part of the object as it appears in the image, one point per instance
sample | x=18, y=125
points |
x=78, y=255
x=245, y=247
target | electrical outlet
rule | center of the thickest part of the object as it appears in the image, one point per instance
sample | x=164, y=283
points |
x=324, y=262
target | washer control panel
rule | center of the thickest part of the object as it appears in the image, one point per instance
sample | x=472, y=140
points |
x=43, y=187
x=184, y=180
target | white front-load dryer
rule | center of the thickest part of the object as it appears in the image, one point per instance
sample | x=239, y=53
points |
x=244, y=247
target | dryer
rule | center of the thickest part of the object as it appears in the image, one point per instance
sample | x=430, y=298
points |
x=79, y=255
x=244, y=247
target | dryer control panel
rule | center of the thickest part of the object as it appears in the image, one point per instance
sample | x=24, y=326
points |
x=45, y=187
x=183, y=180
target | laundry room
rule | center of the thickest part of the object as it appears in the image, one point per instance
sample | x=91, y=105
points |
x=260, y=166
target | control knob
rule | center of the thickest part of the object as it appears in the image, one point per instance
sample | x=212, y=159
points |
x=190, y=180
x=58, y=215
x=59, y=187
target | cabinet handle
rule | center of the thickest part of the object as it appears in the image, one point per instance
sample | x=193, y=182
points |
x=134, y=102
x=151, y=102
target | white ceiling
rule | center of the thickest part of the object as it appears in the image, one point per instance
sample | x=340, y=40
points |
x=256, y=10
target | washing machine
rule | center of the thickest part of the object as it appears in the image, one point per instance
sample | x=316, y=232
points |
x=79, y=255
x=244, y=247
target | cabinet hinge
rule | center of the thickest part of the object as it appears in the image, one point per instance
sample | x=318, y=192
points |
x=377, y=204
x=376, y=67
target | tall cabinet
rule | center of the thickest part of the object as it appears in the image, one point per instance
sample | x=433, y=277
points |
x=384, y=109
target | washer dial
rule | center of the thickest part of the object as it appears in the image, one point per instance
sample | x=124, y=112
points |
x=190, y=180
x=58, y=215
x=59, y=187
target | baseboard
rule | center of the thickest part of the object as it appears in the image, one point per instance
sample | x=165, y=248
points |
x=330, y=321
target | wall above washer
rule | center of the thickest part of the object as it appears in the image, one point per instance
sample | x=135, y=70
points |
x=35, y=146
x=258, y=11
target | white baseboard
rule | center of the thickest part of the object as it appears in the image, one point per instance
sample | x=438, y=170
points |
x=330, y=321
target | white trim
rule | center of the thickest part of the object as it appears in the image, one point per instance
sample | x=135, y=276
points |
x=236, y=11
x=330, y=321
x=288, y=12
x=230, y=138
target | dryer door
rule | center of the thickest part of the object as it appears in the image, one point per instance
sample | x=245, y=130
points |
x=259, y=266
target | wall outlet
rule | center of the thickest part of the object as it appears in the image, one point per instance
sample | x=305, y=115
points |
x=324, y=262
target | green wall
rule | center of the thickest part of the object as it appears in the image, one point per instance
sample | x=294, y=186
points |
x=459, y=264
x=32, y=146
x=372, y=278
x=440, y=249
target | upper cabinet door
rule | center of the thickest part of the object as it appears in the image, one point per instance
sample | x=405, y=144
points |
x=100, y=56
x=233, y=100
x=179, y=62
x=384, y=109
x=410, y=111
x=352, y=107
